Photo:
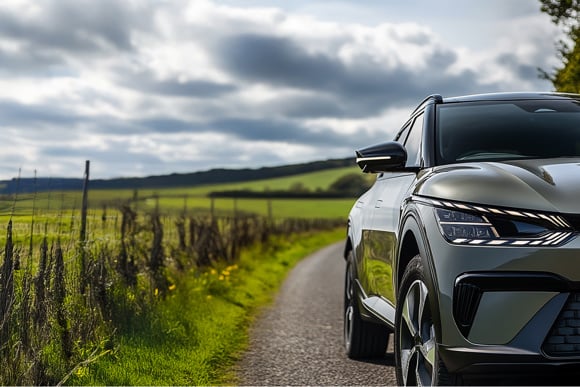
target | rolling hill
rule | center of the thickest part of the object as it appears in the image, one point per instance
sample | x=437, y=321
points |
x=213, y=176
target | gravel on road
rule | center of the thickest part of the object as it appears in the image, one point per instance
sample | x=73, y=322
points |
x=298, y=340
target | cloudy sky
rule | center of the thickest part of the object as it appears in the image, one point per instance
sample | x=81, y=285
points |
x=149, y=87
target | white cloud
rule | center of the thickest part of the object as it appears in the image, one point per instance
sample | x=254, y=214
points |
x=148, y=87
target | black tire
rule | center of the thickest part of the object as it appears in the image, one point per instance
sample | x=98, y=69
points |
x=362, y=339
x=416, y=350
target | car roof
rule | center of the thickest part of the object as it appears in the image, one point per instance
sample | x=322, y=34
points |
x=511, y=96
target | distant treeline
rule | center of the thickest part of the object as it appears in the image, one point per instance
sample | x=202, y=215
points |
x=350, y=185
x=214, y=176
x=247, y=194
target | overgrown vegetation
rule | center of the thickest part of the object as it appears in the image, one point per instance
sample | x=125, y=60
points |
x=194, y=336
x=66, y=302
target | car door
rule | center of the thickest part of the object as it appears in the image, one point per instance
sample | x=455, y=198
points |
x=380, y=239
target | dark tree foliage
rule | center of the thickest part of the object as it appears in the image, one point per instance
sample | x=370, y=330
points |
x=566, y=13
x=563, y=12
x=353, y=184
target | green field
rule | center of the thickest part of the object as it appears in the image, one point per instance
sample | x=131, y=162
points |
x=196, y=198
x=70, y=301
x=312, y=181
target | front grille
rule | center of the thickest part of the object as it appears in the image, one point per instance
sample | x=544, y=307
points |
x=573, y=220
x=564, y=338
x=466, y=302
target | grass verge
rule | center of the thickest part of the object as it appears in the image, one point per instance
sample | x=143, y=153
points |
x=197, y=332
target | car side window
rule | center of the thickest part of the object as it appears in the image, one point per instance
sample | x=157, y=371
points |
x=413, y=143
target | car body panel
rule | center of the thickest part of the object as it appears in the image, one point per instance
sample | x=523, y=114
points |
x=546, y=185
x=380, y=240
x=525, y=288
x=516, y=307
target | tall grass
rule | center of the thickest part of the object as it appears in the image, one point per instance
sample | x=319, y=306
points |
x=64, y=296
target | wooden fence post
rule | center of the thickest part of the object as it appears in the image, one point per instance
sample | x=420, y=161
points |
x=83, y=232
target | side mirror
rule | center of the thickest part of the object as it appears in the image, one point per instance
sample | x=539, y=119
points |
x=384, y=157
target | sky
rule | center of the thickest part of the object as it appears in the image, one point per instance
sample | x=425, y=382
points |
x=152, y=87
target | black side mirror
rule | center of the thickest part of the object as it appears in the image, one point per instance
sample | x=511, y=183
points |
x=384, y=157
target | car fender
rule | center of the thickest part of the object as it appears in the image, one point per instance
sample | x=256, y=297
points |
x=411, y=223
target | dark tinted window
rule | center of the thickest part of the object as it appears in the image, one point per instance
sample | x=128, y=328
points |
x=507, y=130
x=413, y=143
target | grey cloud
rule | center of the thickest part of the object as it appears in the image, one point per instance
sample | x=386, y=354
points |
x=44, y=118
x=68, y=36
x=21, y=115
x=307, y=106
x=262, y=129
x=419, y=38
x=113, y=161
x=33, y=63
x=279, y=61
x=284, y=131
x=441, y=60
x=115, y=153
x=168, y=125
x=75, y=25
x=525, y=71
x=145, y=81
x=363, y=89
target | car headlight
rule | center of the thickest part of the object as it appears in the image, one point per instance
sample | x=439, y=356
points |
x=456, y=224
x=481, y=225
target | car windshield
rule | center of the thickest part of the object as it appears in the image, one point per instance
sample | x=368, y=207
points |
x=506, y=130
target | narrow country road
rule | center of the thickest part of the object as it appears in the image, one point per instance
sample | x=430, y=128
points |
x=298, y=340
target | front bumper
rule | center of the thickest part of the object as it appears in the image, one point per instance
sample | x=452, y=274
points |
x=505, y=309
x=506, y=366
x=548, y=338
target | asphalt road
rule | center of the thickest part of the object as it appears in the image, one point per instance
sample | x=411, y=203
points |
x=298, y=340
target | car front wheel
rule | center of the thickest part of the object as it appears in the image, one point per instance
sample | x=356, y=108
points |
x=416, y=352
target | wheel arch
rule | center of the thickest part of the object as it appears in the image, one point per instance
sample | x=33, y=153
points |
x=413, y=241
x=408, y=249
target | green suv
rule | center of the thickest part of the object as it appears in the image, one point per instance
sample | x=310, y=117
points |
x=467, y=246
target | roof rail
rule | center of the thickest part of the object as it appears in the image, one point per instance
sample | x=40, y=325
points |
x=437, y=98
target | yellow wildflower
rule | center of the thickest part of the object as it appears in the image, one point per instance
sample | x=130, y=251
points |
x=81, y=372
x=172, y=287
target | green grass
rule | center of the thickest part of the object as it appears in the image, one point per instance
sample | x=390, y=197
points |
x=195, y=198
x=196, y=334
x=281, y=208
x=313, y=181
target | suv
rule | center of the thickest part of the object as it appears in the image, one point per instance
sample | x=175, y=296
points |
x=467, y=245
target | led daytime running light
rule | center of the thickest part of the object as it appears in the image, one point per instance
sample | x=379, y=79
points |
x=474, y=227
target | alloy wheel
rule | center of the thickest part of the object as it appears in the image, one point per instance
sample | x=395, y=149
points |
x=417, y=338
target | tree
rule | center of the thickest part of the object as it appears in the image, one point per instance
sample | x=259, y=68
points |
x=352, y=184
x=565, y=13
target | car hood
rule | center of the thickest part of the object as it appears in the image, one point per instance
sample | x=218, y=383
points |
x=551, y=185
